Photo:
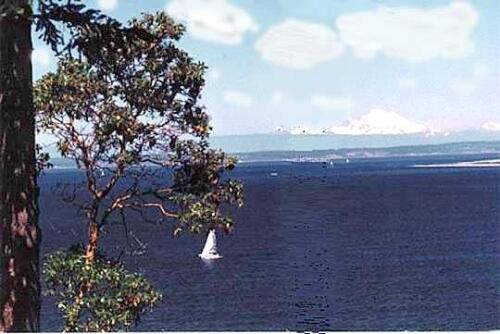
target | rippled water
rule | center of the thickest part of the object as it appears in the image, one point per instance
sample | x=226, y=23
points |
x=370, y=245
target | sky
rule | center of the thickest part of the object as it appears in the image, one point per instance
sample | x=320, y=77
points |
x=310, y=65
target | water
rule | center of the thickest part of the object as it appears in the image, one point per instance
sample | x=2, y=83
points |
x=370, y=245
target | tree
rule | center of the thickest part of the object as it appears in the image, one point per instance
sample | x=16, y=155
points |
x=20, y=234
x=19, y=231
x=128, y=114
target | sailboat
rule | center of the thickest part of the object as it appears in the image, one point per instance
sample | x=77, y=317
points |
x=209, y=252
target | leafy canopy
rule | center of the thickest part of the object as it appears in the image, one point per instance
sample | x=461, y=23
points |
x=134, y=112
x=114, y=300
x=124, y=104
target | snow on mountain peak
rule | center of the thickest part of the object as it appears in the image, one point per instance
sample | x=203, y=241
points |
x=491, y=126
x=375, y=122
x=305, y=131
x=299, y=130
x=379, y=122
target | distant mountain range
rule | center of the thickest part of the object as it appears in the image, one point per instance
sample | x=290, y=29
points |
x=375, y=122
x=490, y=148
x=284, y=141
x=376, y=129
x=378, y=133
x=464, y=148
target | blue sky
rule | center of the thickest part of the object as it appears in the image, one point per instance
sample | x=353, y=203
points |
x=321, y=64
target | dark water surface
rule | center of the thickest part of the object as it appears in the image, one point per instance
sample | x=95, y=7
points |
x=370, y=245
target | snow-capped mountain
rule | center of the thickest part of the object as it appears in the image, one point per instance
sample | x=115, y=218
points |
x=379, y=122
x=375, y=122
x=305, y=131
x=377, y=128
x=299, y=130
x=491, y=126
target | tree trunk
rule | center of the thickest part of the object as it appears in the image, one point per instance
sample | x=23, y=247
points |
x=91, y=250
x=19, y=231
x=71, y=323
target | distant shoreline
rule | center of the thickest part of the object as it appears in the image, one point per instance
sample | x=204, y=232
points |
x=486, y=148
x=468, y=164
x=476, y=150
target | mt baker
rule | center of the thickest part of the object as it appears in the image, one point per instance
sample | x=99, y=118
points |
x=376, y=129
x=376, y=122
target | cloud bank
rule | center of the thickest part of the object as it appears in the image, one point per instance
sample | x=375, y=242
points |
x=406, y=33
x=411, y=34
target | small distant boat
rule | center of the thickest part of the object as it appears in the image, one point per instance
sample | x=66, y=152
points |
x=331, y=163
x=209, y=252
x=347, y=161
x=274, y=174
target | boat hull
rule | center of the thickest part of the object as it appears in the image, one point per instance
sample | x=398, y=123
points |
x=210, y=256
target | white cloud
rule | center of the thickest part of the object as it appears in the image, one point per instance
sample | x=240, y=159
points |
x=464, y=87
x=411, y=34
x=491, y=126
x=238, y=99
x=213, y=20
x=331, y=103
x=277, y=98
x=298, y=44
x=107, y=4
x=41, y=57
x=379, y=122
x=407, y=83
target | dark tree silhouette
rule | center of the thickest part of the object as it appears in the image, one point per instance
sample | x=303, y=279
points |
x=129, y=115
x=20, y=234
x=197, y=190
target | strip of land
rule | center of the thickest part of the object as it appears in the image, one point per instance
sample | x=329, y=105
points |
x=468, y=164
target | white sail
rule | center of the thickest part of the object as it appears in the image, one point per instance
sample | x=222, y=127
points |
x=210, y=249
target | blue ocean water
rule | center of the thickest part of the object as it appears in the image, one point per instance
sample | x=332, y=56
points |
x=370, y=245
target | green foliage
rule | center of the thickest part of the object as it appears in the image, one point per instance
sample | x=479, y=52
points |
x=129, y=105
x=42, y=160
x=199, y=190
x=111, y=299
x=134, y=109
